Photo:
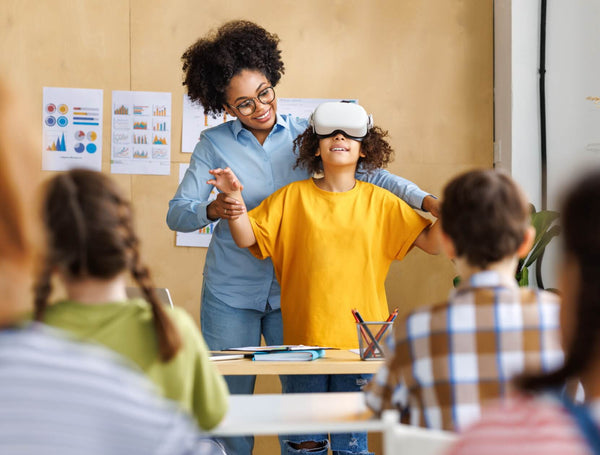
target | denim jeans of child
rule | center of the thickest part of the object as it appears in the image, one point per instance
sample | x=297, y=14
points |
x=341, y=443
x=226, y=327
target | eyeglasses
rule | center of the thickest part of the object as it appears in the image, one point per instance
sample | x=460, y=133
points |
x=247, y=107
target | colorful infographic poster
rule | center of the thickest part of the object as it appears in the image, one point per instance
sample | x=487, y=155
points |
x=141, y=133
x=71, y=129
x=202, y=236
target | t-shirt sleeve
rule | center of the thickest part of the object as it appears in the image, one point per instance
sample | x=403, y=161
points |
x=404, y=227
x=266, y=223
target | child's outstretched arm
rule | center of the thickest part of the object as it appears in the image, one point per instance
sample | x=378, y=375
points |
x=429, y=240
x=241, y=229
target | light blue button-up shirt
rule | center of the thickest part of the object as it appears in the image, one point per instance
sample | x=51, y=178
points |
x=232, y=274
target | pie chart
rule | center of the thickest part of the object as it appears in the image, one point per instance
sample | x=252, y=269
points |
x=79, y=135
x=91, y=148
x=92, y=136
x=79, y=148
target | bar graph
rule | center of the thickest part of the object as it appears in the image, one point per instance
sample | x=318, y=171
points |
x=140, y=139
x=160, y=126
x=159, y=111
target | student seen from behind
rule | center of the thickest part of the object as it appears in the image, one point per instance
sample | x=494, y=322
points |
x=92, y=246
x=58, y=395
x=331, y=239
x=538, y=420
x=448, y=359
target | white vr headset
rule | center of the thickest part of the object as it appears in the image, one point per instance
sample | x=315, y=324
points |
x=350, y=119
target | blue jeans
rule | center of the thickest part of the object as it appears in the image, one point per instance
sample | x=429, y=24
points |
x=342, y=443
x=227, y=327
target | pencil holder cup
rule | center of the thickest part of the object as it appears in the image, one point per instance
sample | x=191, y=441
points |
x=371, y=336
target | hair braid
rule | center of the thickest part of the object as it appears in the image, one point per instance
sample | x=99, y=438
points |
x=169, y=340
x=42, y=289
x=80, y=224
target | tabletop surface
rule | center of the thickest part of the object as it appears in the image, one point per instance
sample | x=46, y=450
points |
x=336, y=361
x=298, y=413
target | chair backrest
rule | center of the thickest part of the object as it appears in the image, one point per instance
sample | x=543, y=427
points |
x=401, y=439
x=163, y=294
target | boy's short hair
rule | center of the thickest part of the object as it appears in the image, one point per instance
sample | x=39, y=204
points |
x=486, y=215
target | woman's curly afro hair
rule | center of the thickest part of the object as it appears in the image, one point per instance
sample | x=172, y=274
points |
x=211, y=62
x=377, y=150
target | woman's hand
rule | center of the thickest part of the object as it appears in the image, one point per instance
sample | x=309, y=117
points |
x=224, y=207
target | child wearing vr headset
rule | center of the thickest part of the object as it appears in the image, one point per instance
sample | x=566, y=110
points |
x=331, y=239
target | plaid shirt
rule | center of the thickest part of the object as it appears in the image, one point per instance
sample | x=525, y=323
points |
x=448, y=359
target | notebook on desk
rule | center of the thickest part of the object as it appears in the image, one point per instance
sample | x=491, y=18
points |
x=289, y=356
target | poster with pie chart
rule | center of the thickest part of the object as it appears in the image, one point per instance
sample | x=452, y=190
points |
x=71, y=128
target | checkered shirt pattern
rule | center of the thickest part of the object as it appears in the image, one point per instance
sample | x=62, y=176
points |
x=446, y=360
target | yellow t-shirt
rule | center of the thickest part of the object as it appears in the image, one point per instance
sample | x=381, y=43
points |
x=331, y=253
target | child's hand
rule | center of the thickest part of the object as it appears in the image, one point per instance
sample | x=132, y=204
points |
x=225, y=180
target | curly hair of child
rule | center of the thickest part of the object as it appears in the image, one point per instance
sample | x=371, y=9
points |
x=375, y=146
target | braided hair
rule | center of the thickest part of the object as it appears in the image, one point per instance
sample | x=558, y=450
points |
x=90, y=234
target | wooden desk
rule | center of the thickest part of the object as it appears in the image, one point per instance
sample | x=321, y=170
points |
x=334, y=362
x=297, y=413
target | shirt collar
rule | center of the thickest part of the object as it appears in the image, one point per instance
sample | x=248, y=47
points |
x=487, y=279
x=281, y=122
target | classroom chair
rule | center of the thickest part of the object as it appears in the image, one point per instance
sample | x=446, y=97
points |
x=163, y=294
x=402, y=439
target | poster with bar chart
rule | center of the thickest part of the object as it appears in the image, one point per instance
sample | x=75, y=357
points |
x=201, y=237
x=71, y=128
x=141, y=133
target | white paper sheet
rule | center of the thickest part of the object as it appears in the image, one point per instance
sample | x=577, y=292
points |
x=141, y=133
x=195, y=121
x=71, y=129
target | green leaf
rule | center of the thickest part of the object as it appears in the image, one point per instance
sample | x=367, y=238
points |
x=456, y=281
x=542, y=221
x=540, y=246
x=524, y=279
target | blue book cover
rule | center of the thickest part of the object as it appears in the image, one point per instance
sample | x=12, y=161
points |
x=290, y=356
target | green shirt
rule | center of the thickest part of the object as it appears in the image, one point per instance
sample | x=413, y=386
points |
x=126, y=327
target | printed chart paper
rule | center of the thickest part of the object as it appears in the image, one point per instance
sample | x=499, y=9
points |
x=201, y=237
x=141, y=133
x=72, y=129
x=195, y=121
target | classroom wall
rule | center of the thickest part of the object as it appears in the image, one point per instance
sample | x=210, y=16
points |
x=423, y=68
